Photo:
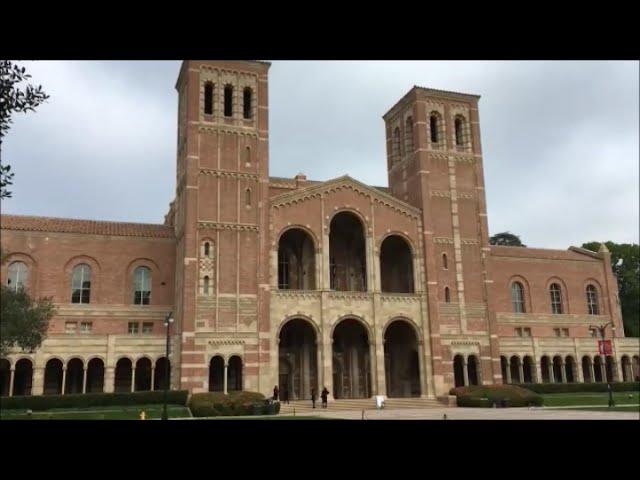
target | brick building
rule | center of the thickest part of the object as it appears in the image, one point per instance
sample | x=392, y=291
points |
x=366, y=290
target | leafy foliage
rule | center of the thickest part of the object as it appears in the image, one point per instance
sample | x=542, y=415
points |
x=507, y=239
x=214, y=404
x=627, y=273
x=23, y=320
x=581, y=387
x=14, y=99
x=485, y=396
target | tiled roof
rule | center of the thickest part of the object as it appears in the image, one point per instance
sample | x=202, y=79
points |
x=88, y=227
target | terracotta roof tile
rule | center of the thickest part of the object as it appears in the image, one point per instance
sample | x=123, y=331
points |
x=89, y=227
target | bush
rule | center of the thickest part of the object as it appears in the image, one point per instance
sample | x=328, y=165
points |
x=217, y=404
x=87, y=400
x=485, y=396
x=581, y=387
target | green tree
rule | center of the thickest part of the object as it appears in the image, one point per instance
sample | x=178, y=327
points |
x=506, y=238
x=14, y=99
x=625, y=262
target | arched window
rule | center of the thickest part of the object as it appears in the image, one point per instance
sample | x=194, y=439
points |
x=395, y=146
x=142, y=286
x=205, y=287
x=18, y=275
x=445, y=264
x=247, y=155
x=247, y=197
x=459, y=126
x=246, y=105
x=228, y=100
x=447, y=295
x=207, y=249
x=592, y=300
x=433, y=127
x=208, y=98
x=517, y=297
x=81, y=284
x=408, y=136
x=556, y=298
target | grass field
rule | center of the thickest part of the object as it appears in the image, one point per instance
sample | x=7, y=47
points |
x=99, y=413
x=590, y=399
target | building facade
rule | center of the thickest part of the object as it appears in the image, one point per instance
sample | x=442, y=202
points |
x=304, y=284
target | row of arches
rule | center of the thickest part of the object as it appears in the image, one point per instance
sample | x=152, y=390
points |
x=298, y=360
x=81, y=277
x=559, y=369
x=225, y=377
x=75, y=376
x=247, y=100
x=347, y=259
x=558, y=302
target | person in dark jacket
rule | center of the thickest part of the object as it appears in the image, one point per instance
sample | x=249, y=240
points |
x=285, y=394
x=275, y=393
x=324, y=395
x=313, y=396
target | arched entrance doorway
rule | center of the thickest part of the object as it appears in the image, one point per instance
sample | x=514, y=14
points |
x=143, y=375
x=473, y=370
x=74, y=376
x=458, y=371
x=123, y=376
x=347, y=254
x=528, y=369
x=234, y=374
x=515, y=369
x=587, y=369
x=396, y=265
x=216, y=374
x=95, y=376
x=402, y=365
x=162, y=374
x=598, y=368
x=546, y=369
x=23, y=377
x=503, y=369
x=557, y=369
x=569, y=369
x=351, y=363
x=5, y=377
x=53, y=377
x=298, y=360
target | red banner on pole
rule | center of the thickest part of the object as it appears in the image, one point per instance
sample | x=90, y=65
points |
x=604, y=347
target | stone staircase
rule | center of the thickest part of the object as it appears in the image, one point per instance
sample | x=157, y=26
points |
x=360, y=404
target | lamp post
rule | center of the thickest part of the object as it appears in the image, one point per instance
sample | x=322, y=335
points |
x=167, y=323
x=601, y=329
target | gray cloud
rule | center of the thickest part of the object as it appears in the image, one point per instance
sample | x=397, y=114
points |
x=560, y=139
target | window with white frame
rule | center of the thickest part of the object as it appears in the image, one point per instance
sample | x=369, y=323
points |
x=142, y=286
x=592, y=300
x=17, y=276
x=70, y=327
x=556, y=298
x=133, y=328
x=86, y=327
x=81, y=284
x=147, y=328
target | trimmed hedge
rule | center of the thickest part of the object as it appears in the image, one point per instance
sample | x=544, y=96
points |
x=217, y=404
x=486, y=396
x=87, y=400
x=581, y=387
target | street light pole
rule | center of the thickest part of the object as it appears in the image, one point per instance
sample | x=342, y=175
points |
x=602, y=330
x=167, y=323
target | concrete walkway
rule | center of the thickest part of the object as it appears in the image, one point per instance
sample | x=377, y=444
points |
x=460, y=413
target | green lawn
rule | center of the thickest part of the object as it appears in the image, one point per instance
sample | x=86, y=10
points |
x=267, y=417
x=578, y=399
x=631, y=408
x=99, y=413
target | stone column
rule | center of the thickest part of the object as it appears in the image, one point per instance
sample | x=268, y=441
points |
x=380, y=372
x=552, y=373
x=37, y=387
x=64, y=379
x=580, y=373
x=508, y=370
x=133, y=379
x=226, y=365
x=327, y=360
x=538, y=369
x=109, y=380
x=563, y=371
x=465, y=371
x=305, y=370
x=592, y=372
x=153, y=377
x=423, y=384
x=603, y=371
x=373, y=371
x=84, y=379
x=521, y=371
x=319, y=369
x=12, y=375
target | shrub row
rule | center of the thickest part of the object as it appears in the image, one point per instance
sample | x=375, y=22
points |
x=86, y=400
x=581, y=387
x=486, y=396
x=216, y=404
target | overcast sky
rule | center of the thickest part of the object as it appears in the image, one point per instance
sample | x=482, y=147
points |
x=559, y=139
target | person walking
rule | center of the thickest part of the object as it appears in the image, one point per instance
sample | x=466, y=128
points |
x=285, y=394
x=313, y=396
x=324, y=395
x=275, y=393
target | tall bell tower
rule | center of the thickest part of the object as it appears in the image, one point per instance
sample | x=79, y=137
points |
x=220, y=219
x=434, y=162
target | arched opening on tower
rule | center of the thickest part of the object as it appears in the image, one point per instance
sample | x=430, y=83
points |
x=298, y=360
x=351, y=363
x=216, y=374
x=234, y=374
x=473, y=369
x=347, y=253
x=402, y=366
x=396, y=265
x=296, y=261
x=458, y=370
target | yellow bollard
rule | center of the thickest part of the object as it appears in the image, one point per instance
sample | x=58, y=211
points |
x=143, y=415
